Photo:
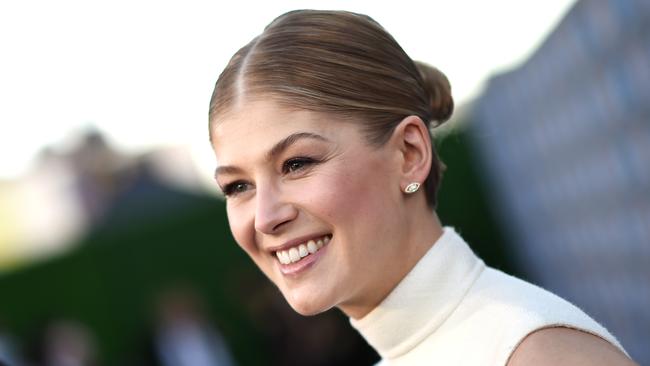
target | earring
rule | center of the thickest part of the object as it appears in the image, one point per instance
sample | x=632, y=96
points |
x=412, y=188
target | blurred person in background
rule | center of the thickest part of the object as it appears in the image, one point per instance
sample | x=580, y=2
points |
x=321, y=129
x=8, y=350
x=183, y=335
x=63, y=342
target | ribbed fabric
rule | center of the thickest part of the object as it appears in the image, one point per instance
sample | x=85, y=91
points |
x=453, y=310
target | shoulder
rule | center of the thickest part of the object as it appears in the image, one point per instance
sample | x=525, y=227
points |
x=560, y=346
x=541, y=327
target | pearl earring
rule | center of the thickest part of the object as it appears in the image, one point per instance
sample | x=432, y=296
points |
x=412, y=188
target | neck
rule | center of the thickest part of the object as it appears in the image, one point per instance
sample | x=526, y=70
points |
x=421, y=232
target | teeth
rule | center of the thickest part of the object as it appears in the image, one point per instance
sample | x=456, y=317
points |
x=312, y=247
x=302, y=250
x=285, y=257
x=296, y=253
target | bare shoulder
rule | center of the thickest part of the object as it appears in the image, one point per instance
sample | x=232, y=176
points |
x=560, y=346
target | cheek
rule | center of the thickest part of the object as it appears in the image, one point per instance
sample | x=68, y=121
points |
x=241, y=228
x=350, y=193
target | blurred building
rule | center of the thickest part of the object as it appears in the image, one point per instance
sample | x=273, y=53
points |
x=68, y=192
x=565, y=140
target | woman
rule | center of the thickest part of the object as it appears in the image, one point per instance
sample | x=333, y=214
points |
x=321, y=126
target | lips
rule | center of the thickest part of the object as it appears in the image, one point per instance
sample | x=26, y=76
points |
x=299, y=251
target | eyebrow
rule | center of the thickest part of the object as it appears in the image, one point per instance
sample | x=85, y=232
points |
x=276, y=150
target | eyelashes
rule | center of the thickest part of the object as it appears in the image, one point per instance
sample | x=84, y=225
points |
x=234, y=188
x=291, y=167
x=294, y=165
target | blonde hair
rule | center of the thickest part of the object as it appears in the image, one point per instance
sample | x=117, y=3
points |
x=341, y=63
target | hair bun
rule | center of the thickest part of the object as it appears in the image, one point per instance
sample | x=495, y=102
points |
x=437, y=86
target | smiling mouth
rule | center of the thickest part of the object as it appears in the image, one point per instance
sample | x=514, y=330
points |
x=300, y=251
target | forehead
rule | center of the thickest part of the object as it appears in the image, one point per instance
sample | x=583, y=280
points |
x=257, y=126
x=259, y=115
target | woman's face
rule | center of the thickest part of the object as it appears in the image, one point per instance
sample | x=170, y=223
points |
x=314, y=205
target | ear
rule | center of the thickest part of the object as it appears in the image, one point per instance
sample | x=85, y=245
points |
x=411, y=136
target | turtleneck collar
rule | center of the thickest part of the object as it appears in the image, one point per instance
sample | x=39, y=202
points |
x=424, y=299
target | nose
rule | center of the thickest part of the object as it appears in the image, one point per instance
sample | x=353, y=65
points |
x=272, y=212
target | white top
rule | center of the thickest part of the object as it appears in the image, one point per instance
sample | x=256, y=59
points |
x=453, y=310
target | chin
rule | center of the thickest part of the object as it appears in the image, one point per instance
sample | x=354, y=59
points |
x=309, y=306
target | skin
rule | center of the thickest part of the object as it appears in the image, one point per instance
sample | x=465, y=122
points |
x=354, y=191
x=564, y=346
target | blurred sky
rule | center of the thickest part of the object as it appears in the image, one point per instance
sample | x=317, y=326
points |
x=142, y=72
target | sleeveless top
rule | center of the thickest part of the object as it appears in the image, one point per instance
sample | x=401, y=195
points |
x=451, y=309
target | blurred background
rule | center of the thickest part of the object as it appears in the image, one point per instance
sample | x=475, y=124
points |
x=114, y=245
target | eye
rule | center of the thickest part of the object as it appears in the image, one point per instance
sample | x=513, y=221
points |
x=296, y=164
x=235, y=188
